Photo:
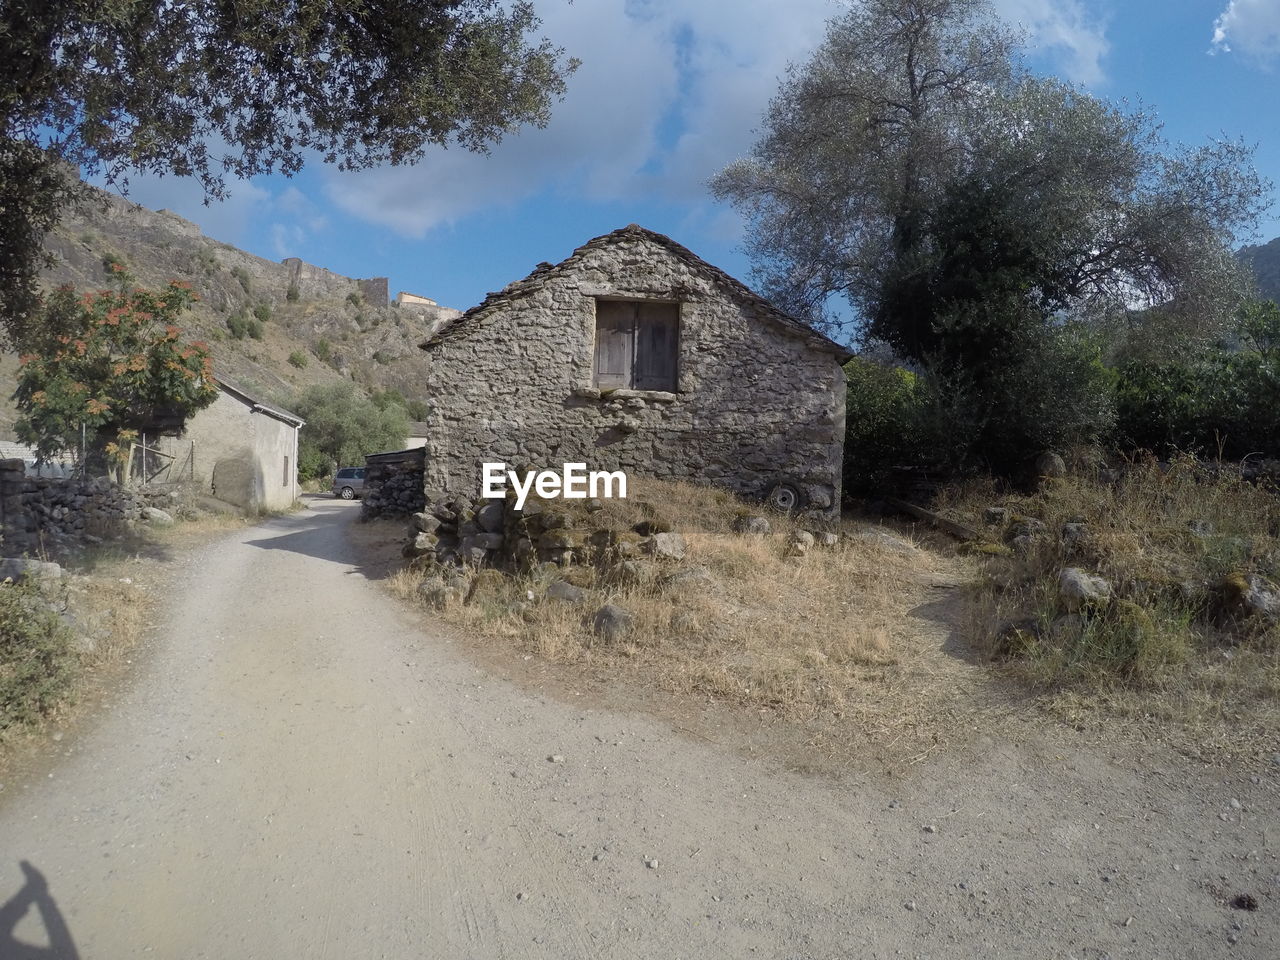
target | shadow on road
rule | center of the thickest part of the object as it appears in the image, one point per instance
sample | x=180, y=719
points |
x=35, y=892
x=331, y=530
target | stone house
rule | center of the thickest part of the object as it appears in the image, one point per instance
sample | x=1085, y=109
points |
x=243, y=451
x=634, y=354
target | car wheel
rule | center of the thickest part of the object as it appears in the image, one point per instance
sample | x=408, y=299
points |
x=784, y=496
x=347, y=494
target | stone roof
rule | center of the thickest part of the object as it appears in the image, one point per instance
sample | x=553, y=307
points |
x=468, y=322
x=278, y=413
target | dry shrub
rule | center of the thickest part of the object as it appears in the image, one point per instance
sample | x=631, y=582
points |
x=749, y=624
x=1171, y=645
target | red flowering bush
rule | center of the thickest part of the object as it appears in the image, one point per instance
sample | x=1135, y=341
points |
x=112, y=363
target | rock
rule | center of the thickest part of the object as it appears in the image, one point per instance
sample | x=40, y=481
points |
x=562, y=590
x=994, y=516
x=435, y=592
x=798, y=543
x=828, y=539
x=422, y=544
x=425, y=522
x=1076, y=588
x=628, y=573
x=489, y=517
x=594, y=505
x=157, y=517
x=20, y=568
x=930, y=828
x=1250, y=595
x=1049, y=464
x=651, y=863
x=665, y=546
x=751, y=524
x=555, y=758
x=1074, y=532
x=882, y=538
x=612, y=622
x=698, y=578
x=647, y=528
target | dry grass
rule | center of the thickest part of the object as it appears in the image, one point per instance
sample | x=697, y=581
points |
x=829, y=634
x=1170, y=650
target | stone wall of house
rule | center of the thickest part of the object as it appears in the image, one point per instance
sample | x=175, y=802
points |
x=39, y=515
x=754, y=403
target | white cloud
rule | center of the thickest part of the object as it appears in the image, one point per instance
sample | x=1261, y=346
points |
x=1075, y=40
x=705, y=69
x=1251, y=27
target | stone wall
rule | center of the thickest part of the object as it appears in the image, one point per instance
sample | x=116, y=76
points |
x=392, y=486
x=758, y=398
x=39, y=515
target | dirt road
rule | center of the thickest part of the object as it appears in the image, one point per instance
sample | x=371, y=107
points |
x=302, y=770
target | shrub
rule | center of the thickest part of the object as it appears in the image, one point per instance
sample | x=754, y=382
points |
x=354, y=299
x=263, y=312
x=241, y=274
x=381, y=357
x=323, y=350
x=255, y=329
x=293, y=293
x=238, y=324
x=298, y=359
x=881, y=420
x=36, y=658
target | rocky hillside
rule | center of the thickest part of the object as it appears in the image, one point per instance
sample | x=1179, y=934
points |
x=273, y=327
x=1265, y=260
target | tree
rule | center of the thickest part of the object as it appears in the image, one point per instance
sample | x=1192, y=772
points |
x=110, y=364
x=206, y=89
x=915, y=114
x=343, y=426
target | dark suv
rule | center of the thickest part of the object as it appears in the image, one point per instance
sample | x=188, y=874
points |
x=348, y=483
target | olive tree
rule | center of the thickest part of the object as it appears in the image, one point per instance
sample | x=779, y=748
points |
x=209, y=89
x=912, y=116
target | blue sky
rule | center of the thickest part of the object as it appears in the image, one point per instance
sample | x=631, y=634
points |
x=672, y=90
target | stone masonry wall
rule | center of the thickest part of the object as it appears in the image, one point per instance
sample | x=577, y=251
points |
x=46, y=514
x=754, y=403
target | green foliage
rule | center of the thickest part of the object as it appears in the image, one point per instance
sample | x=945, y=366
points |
x=37, y=663
x=256, y=330
x=117, y=86
x=263, y=312
x=323, y=350
x=238, y=323
x=1211, y=401
x=354, y=298
x=382, y=357
x=113, y=362
x=292, y=294
x=241, y=274
x=344, y=425
x=418, y=409
x=298, y=359
x=913, y=159
x=111, y=263
x=882, y=419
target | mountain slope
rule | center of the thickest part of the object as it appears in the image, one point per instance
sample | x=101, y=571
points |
x=1265, y=261
x=320, y=326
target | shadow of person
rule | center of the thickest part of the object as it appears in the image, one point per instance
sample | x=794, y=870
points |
x=35, y=892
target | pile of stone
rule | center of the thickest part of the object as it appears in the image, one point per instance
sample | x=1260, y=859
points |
x=496, y=533
x=399, y=495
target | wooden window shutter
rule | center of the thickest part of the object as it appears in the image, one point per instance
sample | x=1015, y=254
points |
x=657, y=346
x=615, y=339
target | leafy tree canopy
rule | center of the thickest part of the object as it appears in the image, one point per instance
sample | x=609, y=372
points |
x=207, y=89
x=344, y=425
x=914, y=168
x=111, y=364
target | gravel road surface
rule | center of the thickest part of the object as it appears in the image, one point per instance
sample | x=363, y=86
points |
x=301, y=768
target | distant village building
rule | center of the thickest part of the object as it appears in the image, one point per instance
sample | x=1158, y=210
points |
x=242, y=450
x=636, y=354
